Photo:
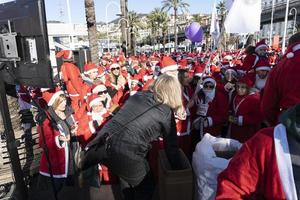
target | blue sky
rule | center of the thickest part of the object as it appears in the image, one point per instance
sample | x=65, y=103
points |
x=57, y=9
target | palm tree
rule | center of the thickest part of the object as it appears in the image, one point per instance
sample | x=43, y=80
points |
x=135, y=24
x=198, y=18
x=158, y=23
x=175, y=5
x=221, y=10
x=92, y=29
x=153, y=23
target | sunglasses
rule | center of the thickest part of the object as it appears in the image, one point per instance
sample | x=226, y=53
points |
x=208, y=86
x=117, y=68
x=102, y=92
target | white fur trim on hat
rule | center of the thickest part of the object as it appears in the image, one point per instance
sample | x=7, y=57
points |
x=209, y=80
x=44, y=89
x=290, y=55
x=95, y=101
x=91, y=70
x=198, y=74
x=261, y=46
x=169, y=68
x=99, y=88
x=266, y=68
x=114, y=65
x=54, y=97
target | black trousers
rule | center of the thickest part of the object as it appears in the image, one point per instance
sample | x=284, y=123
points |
x=143, y=191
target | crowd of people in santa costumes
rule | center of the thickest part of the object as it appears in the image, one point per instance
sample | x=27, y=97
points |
x=233, y=94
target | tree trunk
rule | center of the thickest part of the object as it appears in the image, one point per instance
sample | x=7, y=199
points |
x=175, y=28
x=92, y=29
x=133, y=45
x=123, y=22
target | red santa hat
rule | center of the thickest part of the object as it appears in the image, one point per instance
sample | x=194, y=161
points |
x=247, y=80
x=99, y=88
x=183, y=64
x=261, y=44
x=93, y=100
x=89, y=68
x=262, y=64
x=209, y=79
x=167, y=64
x=290, y=51
x=51, y=95
x=65, y=54
x=198, y=70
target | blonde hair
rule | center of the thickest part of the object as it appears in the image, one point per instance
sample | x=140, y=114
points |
x=167, y=90
x=58, y=101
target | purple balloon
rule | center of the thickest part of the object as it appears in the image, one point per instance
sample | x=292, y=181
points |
x=194, y=32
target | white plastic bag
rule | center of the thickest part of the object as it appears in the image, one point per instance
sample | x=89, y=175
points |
x=207, y=165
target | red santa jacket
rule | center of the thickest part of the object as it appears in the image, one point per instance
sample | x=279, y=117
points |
x=249, y=118
x=183, y=126
x=58, y=152
x=260, y=170
x=282, y=87
x=217, y=113
x=72, y=78
x=249, y=62
x=86, y=127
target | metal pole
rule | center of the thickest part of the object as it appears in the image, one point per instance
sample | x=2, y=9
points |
x=21, y=189
x=285, y=25
x=70, y=22
x=271, y=26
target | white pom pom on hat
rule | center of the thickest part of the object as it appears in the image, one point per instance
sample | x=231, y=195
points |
x=290, y=55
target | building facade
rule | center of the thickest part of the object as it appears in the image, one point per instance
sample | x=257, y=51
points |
x=279, y=18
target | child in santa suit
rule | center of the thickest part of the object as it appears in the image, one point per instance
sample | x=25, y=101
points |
x=89, y=125
x=245, y=118
x=54, y=135
x=93, y=120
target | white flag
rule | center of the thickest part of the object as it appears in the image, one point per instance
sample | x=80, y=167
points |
x=228, y=4
x=243, y=17
x=214, y=25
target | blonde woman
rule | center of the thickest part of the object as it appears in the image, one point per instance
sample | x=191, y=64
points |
x=124, y=141
x=54, y=136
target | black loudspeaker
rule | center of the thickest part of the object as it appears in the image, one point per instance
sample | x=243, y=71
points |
x=81, y=57
x=24, y=49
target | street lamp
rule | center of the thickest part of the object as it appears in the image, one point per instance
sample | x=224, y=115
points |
x=295, y=18
x=106, y=20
